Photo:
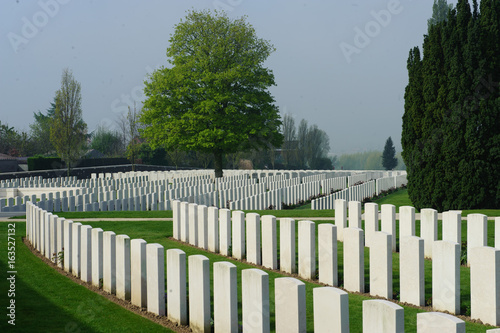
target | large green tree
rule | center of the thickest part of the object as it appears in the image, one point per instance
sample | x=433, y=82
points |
x=451, y=124
x=213, y=98
x=68, y=130
x=389, y=160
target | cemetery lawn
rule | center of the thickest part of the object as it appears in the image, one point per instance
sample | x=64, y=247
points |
x=47, y=301
x=398, y=199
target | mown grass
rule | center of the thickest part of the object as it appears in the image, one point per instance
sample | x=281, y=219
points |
x=47, y=301
x=398, y=199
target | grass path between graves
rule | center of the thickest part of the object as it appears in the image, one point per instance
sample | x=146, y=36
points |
x=46, y=301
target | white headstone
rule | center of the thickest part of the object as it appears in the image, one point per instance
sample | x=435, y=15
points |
x=428, y=229
x=97, y=256
x=331, y=310
x=446, y=276
x=371, y=222
x=193, y=223
x=354, y=260
x=290, y=305
x=176, y=207
x=238, y=234
x=203, y=227
x=199, y=293
x=224, y=231
x=287, y=245
x=411, y=270
x=123, y=267
x=184, y=221
x=388, y=223
x=354, y=214
x=437, y=322
x=225, y=297
x=452, y=226
x=109, y=261
x=176, y=286
x=255, y=300
x=477, y=232
x=406, y=221
x=253, y=238
x=307, y=249
x=381, y=265
x=155, y=272
x=213, y=229
x=269, y=242
x=340, y=218
x=138, y=276
x=382, y=316
x=86, y=253
x=76, y=251
x=327, y=254
x=485, y=284
x=68, y=245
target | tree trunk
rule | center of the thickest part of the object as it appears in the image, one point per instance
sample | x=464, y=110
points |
x=69, y=168
x=218, y=164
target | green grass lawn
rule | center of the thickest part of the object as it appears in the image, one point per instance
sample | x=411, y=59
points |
x=398, y=199
x=47, y=301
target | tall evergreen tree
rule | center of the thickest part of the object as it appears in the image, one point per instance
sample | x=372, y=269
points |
x=68, y=130
x=451, y=129
x=439, y=12
x=389, y=160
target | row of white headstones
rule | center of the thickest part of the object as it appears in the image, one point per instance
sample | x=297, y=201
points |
x=255, y=239
x=138, y=192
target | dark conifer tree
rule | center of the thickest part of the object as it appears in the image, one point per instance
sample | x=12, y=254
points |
x=451, y=124
x=389, y=160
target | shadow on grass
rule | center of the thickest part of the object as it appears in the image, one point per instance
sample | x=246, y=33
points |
x=35, y=312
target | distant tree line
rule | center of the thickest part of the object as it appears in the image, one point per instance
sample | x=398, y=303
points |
x=304, y=147
x=370, y=160
x=451, y=123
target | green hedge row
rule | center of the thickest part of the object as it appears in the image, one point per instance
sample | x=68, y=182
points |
x=50, y=163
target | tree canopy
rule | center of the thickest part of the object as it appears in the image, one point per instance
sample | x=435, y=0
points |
x=389, y=160
x=107, y=142
x=40, y=130
x=451, y=124
x=214, y=97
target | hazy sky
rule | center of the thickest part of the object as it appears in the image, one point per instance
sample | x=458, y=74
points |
x=338, y=64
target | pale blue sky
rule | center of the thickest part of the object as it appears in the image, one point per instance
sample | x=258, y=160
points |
x=350, y=85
